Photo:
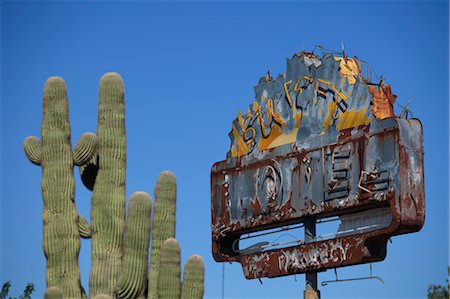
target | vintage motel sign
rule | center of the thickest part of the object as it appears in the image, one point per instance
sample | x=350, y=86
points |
x=320, y=142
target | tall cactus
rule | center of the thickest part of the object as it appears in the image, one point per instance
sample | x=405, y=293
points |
x=119, y=245
x=108, y=196
x=61, y=241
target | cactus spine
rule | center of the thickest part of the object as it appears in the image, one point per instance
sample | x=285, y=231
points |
x=61, y=240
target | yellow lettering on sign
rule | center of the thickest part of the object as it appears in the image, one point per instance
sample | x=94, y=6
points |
x=272, y=134
x=242, y=148
x=246, y=129
x=333, y=88
x=296, y=88
x=286, y=90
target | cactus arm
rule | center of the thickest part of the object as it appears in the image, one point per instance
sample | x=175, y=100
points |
x=163, y=225
x=85, y=149
x=84, y=228
x=193, y=278
x=86, y=158
x=33, y=149
x=53, y=293
x=169, y=271
x=136, y=243
x=108, y=197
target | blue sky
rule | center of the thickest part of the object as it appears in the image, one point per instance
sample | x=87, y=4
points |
x=188, y=67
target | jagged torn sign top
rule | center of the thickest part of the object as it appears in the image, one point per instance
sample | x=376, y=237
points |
x=316, y=96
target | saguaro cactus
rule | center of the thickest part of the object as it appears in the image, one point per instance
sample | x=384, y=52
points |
x=193, y=278
x=61, y=240
x=119, y=246
x=169, y=278
x=163, y=225
x=119, y=264
x=108, y=196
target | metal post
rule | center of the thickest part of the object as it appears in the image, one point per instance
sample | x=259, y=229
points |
x=223, y=280
x=311, y=291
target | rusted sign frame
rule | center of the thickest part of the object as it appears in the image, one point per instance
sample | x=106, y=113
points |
x=406, y=204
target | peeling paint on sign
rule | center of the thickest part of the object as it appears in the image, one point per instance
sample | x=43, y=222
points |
x=319, y=141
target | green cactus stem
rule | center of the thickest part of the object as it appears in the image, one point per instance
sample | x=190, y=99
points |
x=108, y=197
x=137, y=239
x=53, y=293
x=61, y=241
x=163, y=225
x=169, y=272
x=193, y=278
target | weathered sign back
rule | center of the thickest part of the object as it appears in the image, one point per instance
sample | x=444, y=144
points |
x=320, y=141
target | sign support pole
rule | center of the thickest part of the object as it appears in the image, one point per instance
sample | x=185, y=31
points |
x=311, y=289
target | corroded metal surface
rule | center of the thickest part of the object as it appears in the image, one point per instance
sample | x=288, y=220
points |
x=319, y=141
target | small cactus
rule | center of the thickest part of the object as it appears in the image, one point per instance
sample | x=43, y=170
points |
x=169, y=275
x=163, y=225
x=137, y=237
x=193, y=278
x=169, y=280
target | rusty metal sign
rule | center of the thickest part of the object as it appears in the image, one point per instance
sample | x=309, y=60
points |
x=319, y=142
